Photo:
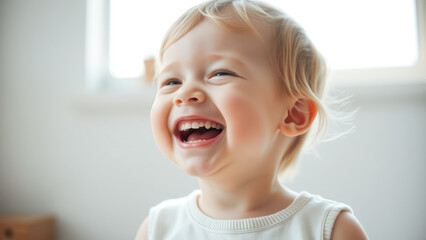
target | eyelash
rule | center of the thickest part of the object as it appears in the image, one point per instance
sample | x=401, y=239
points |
x=171, y=82
x=220, y=73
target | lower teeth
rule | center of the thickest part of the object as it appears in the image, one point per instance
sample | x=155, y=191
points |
x=196, y=141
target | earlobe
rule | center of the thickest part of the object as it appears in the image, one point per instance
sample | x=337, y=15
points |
x=299, y=118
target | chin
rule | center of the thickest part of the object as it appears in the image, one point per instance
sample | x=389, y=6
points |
x=197, y=167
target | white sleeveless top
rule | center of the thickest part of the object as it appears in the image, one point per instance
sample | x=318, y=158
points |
x=307, y=217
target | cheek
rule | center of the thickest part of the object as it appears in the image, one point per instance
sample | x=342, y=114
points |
x=159, y=122
x=245, y=120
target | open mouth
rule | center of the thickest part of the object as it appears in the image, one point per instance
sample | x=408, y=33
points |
x=197, y=131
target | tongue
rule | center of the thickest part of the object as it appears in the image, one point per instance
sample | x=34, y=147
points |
x=203, y=135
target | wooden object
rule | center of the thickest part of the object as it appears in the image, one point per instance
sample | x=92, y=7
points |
x=149, y=64
x=27, y=227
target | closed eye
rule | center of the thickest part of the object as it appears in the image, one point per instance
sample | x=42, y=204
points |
x=222, y=73
x=171, y=82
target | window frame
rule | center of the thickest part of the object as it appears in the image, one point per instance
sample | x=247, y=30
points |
x=99, y=77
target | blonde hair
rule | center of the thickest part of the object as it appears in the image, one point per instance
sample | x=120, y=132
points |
x=300, y=67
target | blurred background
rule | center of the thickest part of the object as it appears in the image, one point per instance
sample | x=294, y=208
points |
x=79, y=147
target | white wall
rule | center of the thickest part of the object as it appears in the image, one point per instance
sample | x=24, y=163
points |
x=91, y=160
x=379, y=169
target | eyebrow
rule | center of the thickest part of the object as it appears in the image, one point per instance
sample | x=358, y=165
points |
x=169, y=67
x=211, y=57
x=227, y=57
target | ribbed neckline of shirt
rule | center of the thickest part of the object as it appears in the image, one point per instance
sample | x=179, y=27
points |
x=246, y=224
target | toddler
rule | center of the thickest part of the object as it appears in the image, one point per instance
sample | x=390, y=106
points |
x=239, y=86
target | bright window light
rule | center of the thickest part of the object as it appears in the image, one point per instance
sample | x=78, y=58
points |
x=136, y=31
x=350, y=34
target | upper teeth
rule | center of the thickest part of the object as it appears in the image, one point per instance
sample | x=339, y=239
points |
x=183, y=126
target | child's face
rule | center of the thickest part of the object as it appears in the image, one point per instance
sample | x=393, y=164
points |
x=215, y=78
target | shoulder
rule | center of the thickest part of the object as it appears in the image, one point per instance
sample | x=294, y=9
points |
x=315, y=205
x=338, y=221
x=143, y=230
x=347, y=227
x=173, y=206
x=164, y=215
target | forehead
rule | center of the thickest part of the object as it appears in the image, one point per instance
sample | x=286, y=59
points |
x=210, y=37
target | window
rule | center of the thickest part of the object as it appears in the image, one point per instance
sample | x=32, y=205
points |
x=362, y=40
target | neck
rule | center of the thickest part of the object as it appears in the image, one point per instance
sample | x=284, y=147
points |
x=254, y=197
x=238, y=191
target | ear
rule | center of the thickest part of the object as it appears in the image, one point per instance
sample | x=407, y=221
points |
x=299, y=117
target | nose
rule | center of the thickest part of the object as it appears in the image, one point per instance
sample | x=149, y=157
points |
x=188, y=95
